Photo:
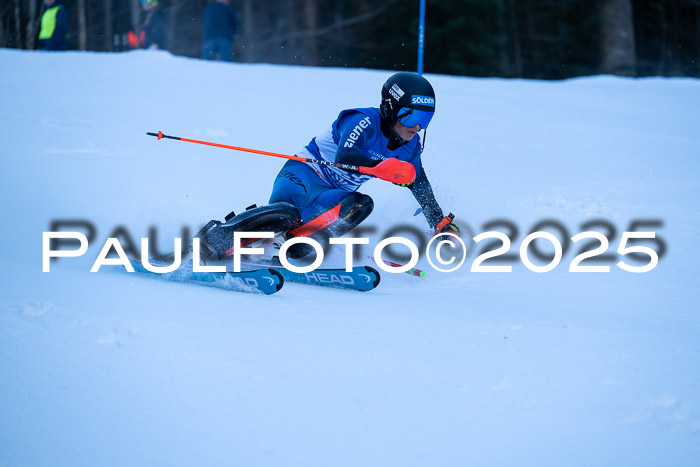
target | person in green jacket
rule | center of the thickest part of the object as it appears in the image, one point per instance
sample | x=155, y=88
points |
x=54, y=26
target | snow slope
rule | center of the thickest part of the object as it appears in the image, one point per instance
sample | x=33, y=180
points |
x=463, y=368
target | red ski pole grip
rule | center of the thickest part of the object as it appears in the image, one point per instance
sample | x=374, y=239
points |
x=392, y=170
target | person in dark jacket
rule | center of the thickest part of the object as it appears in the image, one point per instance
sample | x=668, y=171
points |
x=221, y=23
x=53, y=34
x=153, y=26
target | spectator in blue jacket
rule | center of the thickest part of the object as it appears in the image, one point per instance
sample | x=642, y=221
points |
x=153, y=26
x=221, y=23
x=53, y=34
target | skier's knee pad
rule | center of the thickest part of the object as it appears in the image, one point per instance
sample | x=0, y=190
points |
x=275, y=217
x=354, y=209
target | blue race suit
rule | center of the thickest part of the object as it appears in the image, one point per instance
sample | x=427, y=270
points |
x=357, y=137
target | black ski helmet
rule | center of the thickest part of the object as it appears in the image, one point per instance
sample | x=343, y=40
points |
x=406, y=90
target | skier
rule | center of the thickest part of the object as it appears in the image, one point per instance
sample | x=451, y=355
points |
x=319, y=201
x=152, y=35
x=153, y=26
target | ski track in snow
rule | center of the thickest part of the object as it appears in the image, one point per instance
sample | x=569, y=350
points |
x=459, y=369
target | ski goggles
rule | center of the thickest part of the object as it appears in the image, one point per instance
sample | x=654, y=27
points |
x=411, y=117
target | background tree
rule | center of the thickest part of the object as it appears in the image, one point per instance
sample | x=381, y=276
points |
x=542, y=39
x=18, y=24
x=135, y=15
x=32, y=23
x=3, y=40
x=82, y=26
x=310, y=23
x=108, y=27
x=617, y=38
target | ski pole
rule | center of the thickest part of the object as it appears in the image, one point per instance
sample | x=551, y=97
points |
x=412, y=271
x=391, y=170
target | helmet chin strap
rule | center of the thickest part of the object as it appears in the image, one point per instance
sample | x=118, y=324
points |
x=396, y=141
x=421, y=141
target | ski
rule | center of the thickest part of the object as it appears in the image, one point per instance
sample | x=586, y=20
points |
x=265, y=280
x=361, y=278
